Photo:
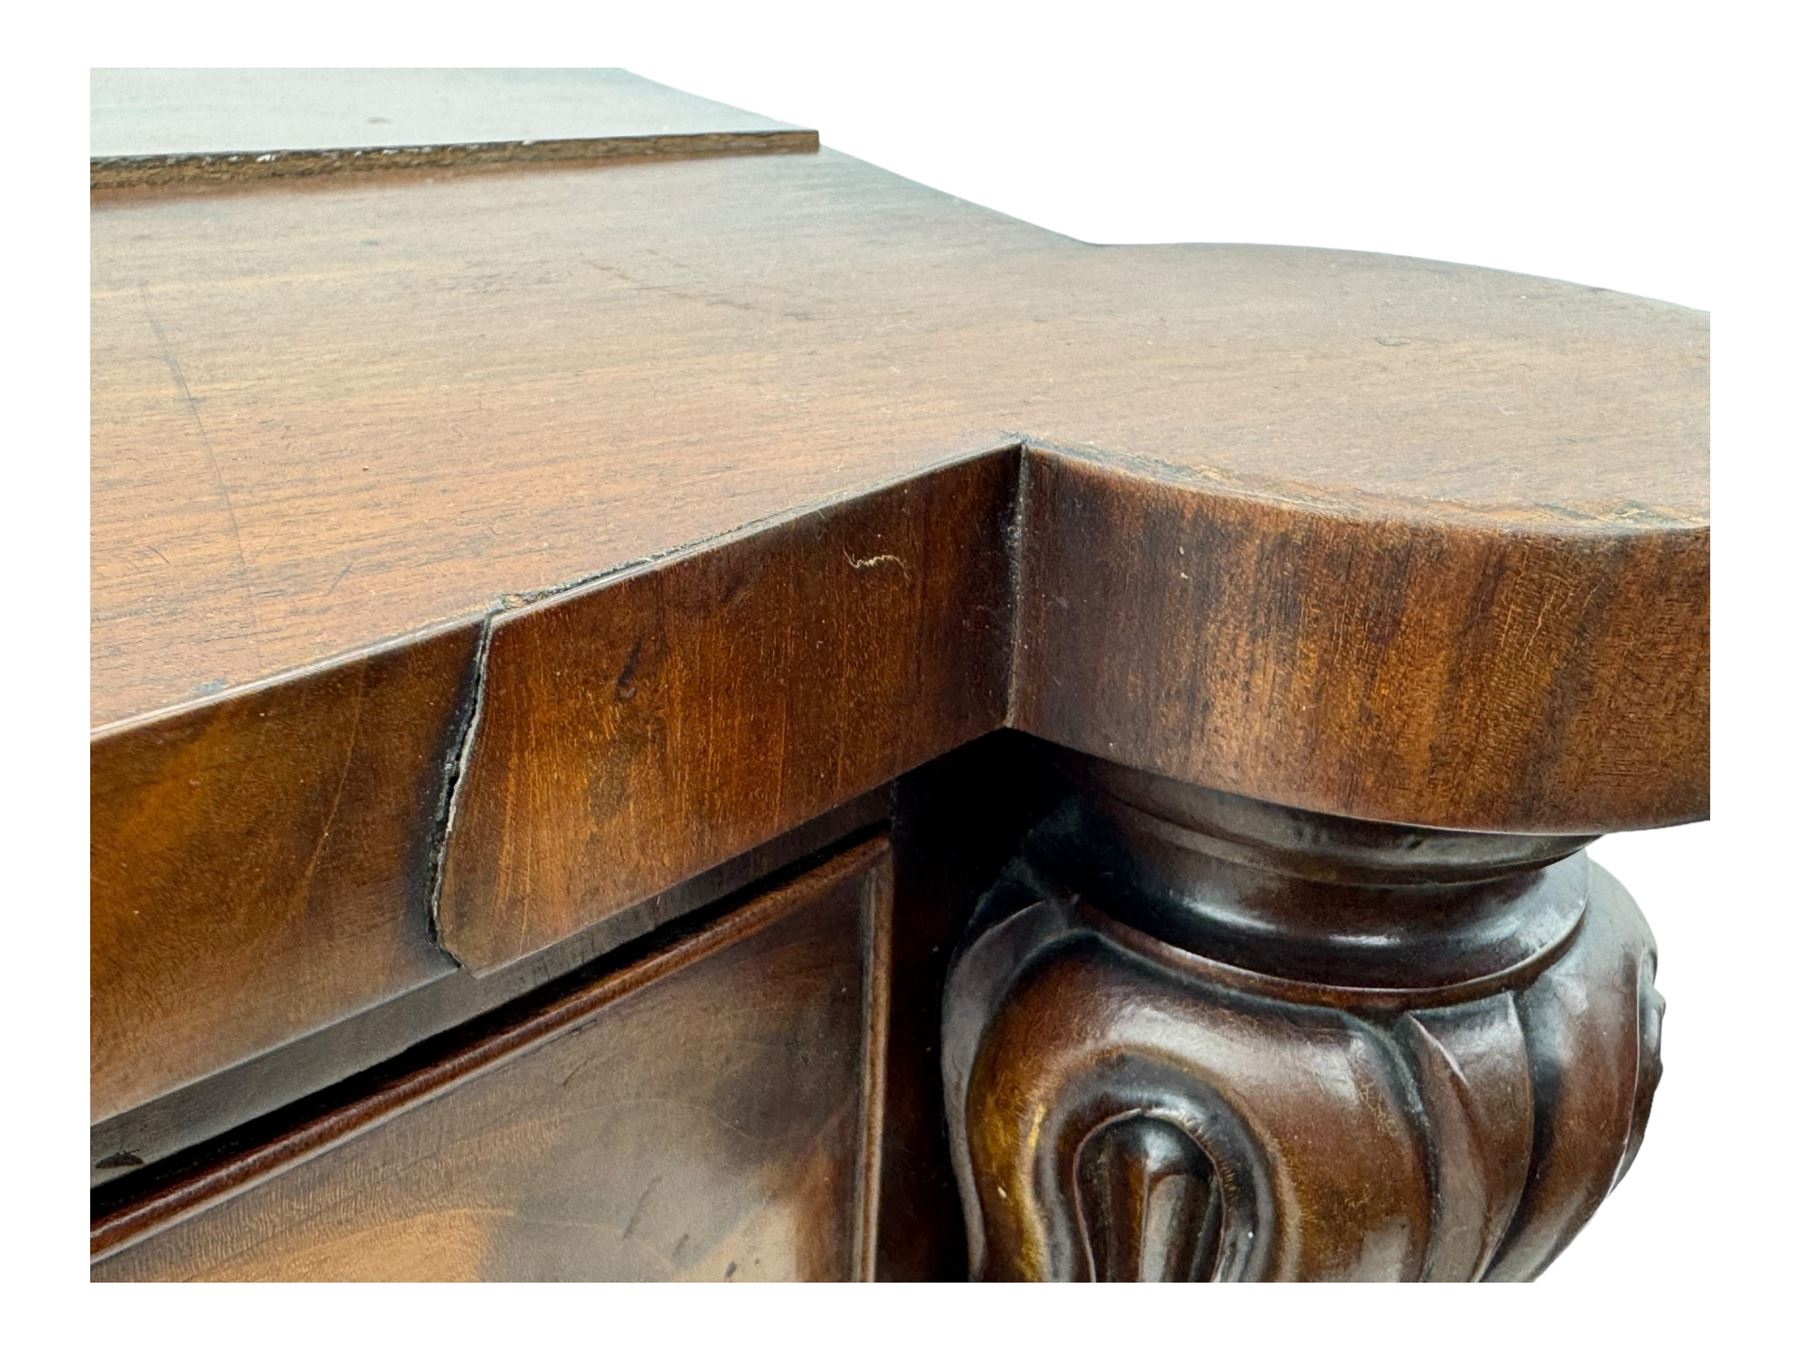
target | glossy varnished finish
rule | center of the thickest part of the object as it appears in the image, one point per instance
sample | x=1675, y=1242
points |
x=465, y=387
x=519, y=520
x=957, y=821
x=710, y=1112
x=1197, y=1037
x=632, y=733
x=1357, y=662
x=782, y=461
x=262, y=866
x=270, y=1070
x=1456, y=574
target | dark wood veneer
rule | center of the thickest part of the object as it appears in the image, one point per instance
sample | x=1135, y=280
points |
x=1200, y=1037
x=262, y=865
x=711, y=1111
x=273, y=1080
x=630, y=734
x=513, y=534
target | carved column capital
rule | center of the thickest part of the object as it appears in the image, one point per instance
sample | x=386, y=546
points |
x=1196, y=1036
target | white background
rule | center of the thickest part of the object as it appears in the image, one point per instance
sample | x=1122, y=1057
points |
x=1643, y=148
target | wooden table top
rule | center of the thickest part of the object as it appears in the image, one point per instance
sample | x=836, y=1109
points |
x=335, y=410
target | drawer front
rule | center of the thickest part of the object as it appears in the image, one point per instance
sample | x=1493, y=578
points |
x=710, y=1112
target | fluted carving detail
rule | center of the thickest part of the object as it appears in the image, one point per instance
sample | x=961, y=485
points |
x=1426, y=1066
x=1150, y=1207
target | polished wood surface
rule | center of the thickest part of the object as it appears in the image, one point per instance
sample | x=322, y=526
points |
x=262, y=866
x=334, y=414
x=1200, y=1037
x=712, y=1112
x=1317, y=528
x=957, y=821
x=173, y=1079
x=630, y=735
x=529, y=507
x=1509, y=678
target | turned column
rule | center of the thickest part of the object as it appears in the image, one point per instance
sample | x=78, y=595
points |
x=1197, y=1036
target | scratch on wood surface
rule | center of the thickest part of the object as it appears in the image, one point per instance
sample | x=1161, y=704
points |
x=874, y=560
x=337, y=797
x=212, y=460
x=637, y=1213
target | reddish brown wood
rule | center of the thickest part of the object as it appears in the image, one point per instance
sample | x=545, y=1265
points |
x=494, y=558
x=1378, y=663
x=266, y=1080
x=1199, y=1037
x=1472, y=536
x=632, y=733
x=710, y=1112
x=409, y=396
x=262, y=865
x=957, y=821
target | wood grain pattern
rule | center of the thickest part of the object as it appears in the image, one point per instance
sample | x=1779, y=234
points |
x=261, y=865
x=634, y=732
x=190, y=127
x=260, y=1053
x=594, y=372
x=461, y=388
x=1525, y=682
x=488, y=551
x=1434, y=673
x=706, y=1113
